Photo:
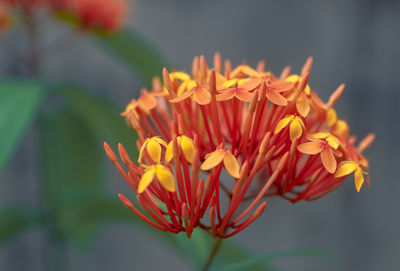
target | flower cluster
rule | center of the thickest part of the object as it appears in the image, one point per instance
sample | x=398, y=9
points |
x=26, y=5
x=272, y=134
x=105, y=15
x=5, y=19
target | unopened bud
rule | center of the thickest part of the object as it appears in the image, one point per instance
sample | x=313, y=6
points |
x=260, y=210
x=123, y=154
x=111, y=155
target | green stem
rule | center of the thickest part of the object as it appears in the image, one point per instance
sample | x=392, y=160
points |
x=212, y=255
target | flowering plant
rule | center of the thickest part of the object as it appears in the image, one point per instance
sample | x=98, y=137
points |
x=272, y=134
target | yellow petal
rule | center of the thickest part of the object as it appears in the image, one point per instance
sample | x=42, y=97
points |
x=331, y=117
x=359, y=179
x=295, y=78
x=302, y=105
x=345, y=168
x=328, y=160
x=181, y=89
x=243, y=69
x=320, y=135
x=310, y=147
x=292, y=78
x=188, y=148
x=219, y=78
x=191, y=84
x=333, y=141
x=146, y=179
x=341, y=129
x=300, y=121
x=231, y=164
x=283, y=123
x=291, y=96
x=307, y=89
x=154, y=150
x=295, y=129
x=230, y=83
x=142, y=149
x=249, y=71
x=213, y=159
x=169, y=152
x=166, y=178
x=160, y=141
x=180, y=76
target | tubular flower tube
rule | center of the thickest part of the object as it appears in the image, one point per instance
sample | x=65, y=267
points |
x=273, y=136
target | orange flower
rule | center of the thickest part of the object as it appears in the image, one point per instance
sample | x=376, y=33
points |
x=245, y=121
x=215, y=158
x=273, y=89
x=231, y=89
x=200, y=94
x=327, y=146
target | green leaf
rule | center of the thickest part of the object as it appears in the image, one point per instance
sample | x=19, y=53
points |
x=252, y=261
x=102, y=118
x=14, y=220
x=18, y=103
x=137, y=53
x=71, y=168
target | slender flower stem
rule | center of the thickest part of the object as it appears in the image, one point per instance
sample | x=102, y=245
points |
x=212, y=255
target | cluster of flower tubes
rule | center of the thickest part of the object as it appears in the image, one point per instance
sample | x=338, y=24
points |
x=271, y=135
x=105, y=15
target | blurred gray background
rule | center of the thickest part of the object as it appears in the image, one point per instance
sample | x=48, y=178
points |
x=352, y=41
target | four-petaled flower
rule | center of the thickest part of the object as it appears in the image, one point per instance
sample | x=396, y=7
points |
x=326, y=145
x=200, y=94
x=231, y=89
x=296, y=126
x=215, y=158
x=274, y=88
x=164, y=176
x=187, y=146
x=347, y=167
x=153, y=148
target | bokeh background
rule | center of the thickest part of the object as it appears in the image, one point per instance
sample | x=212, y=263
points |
x=352, y=41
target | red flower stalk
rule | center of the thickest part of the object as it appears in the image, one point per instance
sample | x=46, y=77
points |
x=274, y=136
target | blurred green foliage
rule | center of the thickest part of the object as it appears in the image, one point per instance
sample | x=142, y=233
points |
x=19, y=101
